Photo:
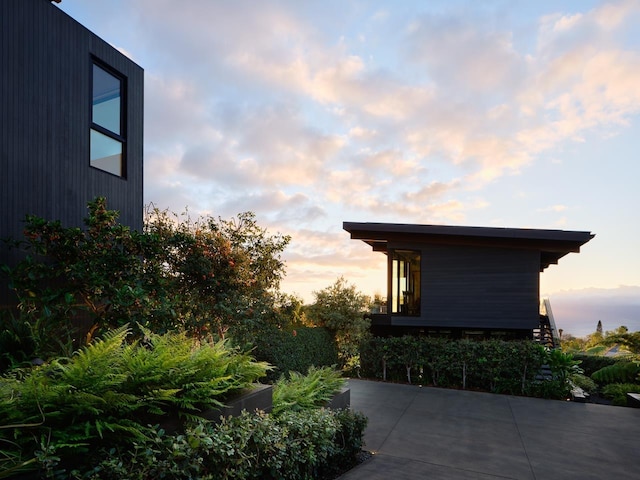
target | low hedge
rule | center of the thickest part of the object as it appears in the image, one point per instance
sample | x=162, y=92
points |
x=511, y=367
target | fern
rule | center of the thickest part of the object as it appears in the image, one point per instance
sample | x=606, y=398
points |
x=305, y=392
x=104, y=393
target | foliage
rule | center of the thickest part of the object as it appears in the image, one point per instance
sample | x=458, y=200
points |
x=293, y=445
x=620, y=372
x=494, y=365
x=617, y=392
x=200, y=276
x=630, y=341
x=70, y=273
x=17, y=346
x=341, y=309
x=222, y=271
x=297, y=392
x=583, y=382
x=111, y=389
x=295, y=349
x=593, y=363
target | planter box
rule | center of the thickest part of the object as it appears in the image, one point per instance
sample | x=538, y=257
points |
x=258, y=398
x=342, y=399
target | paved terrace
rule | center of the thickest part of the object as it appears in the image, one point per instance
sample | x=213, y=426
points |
x=431, y=433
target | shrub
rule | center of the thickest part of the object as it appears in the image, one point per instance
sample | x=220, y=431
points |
x=621, y=372
x=593, y=363
x=292, y=350
x=583, y=382
x=294, y=445
x=617, y=392
x=109, y=391
x=305, y=392
x=202, y=276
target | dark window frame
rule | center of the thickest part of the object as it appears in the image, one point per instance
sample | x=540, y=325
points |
x=122, y=137
x=405, y=302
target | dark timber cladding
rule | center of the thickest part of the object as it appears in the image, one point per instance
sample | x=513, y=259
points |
x=46, y=60
x=471, y=277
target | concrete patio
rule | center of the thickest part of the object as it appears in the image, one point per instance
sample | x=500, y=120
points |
x=418, y=433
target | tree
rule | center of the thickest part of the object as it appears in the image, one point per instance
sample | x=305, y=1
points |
x=621, y=336
x=226, y=271
x=341, y=308
x=201, y=276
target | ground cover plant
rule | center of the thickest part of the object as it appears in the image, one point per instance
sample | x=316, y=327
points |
x=314, y=444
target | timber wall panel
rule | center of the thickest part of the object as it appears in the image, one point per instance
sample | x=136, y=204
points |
x=45, y=64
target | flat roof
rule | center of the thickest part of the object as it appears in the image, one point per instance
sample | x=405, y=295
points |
x=552, y=244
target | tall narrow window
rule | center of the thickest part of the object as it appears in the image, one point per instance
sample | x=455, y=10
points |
x=107, y=138
x=405, y=282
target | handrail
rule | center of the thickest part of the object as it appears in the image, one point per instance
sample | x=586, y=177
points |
x=545, y=309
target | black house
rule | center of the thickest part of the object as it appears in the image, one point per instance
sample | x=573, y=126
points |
x=71, y=122
x=464, y=281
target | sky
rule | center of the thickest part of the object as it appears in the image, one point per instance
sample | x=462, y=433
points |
x=496, y=113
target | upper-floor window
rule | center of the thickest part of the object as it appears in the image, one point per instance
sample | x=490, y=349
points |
x=107, y=126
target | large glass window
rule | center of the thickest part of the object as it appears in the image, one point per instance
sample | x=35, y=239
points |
x=405, y=282
x=107, y=139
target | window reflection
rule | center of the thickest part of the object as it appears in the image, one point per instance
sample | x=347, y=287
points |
x=106, y=153
x=106, y=100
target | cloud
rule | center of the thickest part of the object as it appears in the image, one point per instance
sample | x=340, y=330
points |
x=310, y=114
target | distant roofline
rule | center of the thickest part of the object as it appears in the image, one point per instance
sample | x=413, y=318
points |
x=552, y=244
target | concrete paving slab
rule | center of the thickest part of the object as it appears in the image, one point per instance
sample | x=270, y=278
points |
x=450, y=434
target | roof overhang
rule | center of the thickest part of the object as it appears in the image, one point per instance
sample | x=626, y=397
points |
x=552, y=244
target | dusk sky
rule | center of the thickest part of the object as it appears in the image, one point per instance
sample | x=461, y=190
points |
x=494, y=113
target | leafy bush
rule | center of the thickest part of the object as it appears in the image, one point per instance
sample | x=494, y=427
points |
x=305, y=392
x=617, y=392
x=292, y=350
x=202, y=276
x=621, y=372
x=17, y=346
x=341, y=309
x=294, y=445
x=109, y=391
x=593, y=363
x=583, y=382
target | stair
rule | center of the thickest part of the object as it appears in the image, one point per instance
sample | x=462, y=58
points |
x=546, y=334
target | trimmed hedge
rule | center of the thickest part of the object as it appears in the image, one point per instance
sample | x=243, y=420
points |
x=493, y=365
x=592, y=363
x=294, y=350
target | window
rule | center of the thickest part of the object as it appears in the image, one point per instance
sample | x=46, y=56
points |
x=405, y=282
x=107, y=126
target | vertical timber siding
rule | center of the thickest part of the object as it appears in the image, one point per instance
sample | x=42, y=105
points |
x=45, y=75
x=478, y=287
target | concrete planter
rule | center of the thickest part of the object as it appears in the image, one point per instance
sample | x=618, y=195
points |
x=259, y=397
x=342, y=399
